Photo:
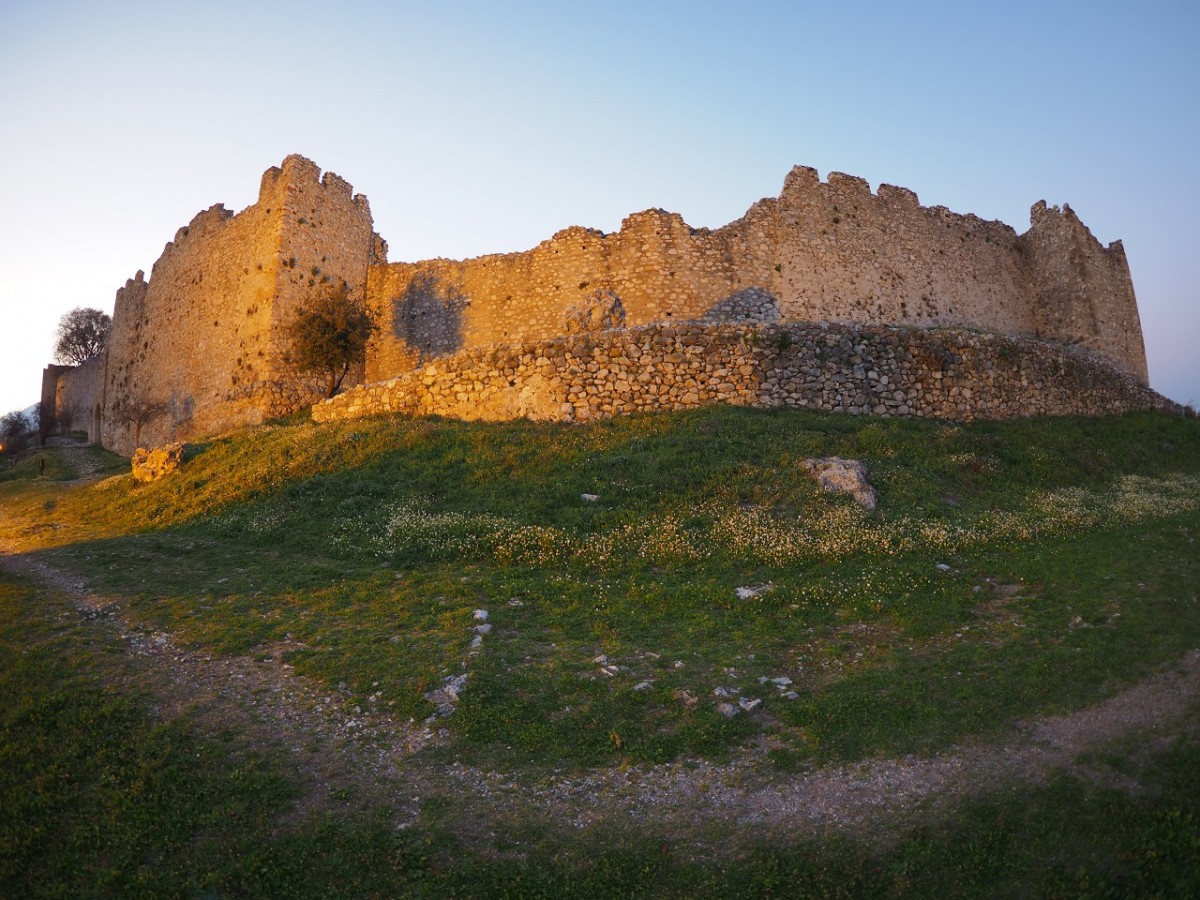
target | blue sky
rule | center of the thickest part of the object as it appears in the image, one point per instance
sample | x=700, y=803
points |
x=481, y=127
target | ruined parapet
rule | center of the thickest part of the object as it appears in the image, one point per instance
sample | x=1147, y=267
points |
x=1083, y=293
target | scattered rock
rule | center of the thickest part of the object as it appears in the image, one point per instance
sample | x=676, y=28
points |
x=782, y=681
x=446, y=696
x=749, y=593
x=515, y=602
x=482, y=629
x=728, y=710
x=643, y=686
x=791, y=695
x=845, y=476
x=151, y=465
x=481, y=615
x=590, y=498
x=749, y=705
x=942, y=567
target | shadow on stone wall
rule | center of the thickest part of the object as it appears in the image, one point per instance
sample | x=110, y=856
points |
x=182, y=410
x=753, y=304
x=428, y=317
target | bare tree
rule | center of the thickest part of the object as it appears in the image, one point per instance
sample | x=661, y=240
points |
x=66, y=417
x=82, y=334
x=137, y=414
x=15, y=430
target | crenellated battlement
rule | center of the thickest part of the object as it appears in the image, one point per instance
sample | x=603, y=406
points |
x=201, y=340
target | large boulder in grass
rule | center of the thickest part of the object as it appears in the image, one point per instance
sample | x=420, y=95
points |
x=151, y=465
x=848, y=476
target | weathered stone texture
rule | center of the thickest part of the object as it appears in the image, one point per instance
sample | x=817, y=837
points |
x=829, y=251
x=80, y=397
x=151, y=465
x=1083, y=292
x=850, y=368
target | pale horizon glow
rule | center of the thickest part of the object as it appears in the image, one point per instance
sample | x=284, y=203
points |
x=476, y=128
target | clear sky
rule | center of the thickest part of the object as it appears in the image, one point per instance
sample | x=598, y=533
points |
x=485, y=127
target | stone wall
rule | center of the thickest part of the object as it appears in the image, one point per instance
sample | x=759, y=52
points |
x=79, y=397
x=1083, y=293
x=48, y=402
x=856, y=369
x=199, y=348
x=821, y=251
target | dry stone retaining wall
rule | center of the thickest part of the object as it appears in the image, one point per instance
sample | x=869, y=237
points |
x=851, y=368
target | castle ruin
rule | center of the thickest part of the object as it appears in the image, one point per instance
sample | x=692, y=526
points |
x=200, y=347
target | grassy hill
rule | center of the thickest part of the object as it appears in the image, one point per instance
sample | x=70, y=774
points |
x=398, y=607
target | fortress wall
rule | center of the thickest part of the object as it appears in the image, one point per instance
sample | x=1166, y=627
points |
x=856, y=369
x=846, y=253
x=326, y=241
x=79, y=396
x=201, y=347
x=201, y=340
x=821, y=251
x=48, y=401
x=1084, y=293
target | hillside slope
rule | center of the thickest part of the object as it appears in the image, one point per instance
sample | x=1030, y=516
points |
x=656, y=629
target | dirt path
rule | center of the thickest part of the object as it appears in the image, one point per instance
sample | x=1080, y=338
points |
x=380, y=759
x=85, y=462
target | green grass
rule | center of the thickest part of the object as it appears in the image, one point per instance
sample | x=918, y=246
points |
x=104, y=798
x=61, y=465
x=367, y=547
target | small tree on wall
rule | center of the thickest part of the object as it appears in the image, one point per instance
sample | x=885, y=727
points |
x=137, y=414
x=66, y=418
x=330, y=334
x=82, y=334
